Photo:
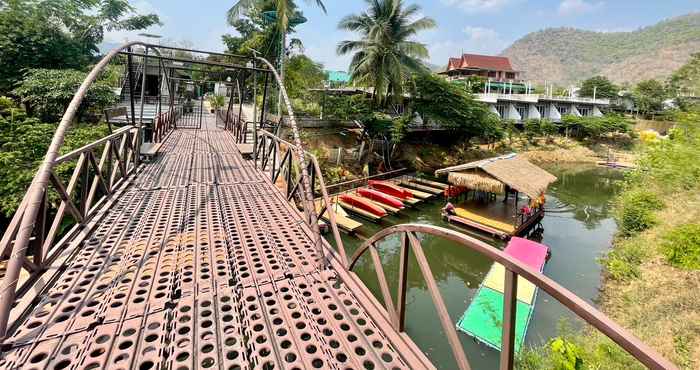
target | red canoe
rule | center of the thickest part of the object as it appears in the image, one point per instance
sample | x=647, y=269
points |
x=363, y=204
x=391, y=189
x=380, y=197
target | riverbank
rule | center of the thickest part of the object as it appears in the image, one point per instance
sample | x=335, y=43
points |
x=652, y=274
x=555, y=150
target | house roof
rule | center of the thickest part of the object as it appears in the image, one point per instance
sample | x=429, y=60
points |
x=480, y=61
x=509, y=169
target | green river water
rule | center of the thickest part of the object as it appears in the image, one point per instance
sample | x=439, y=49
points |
x=577, y=227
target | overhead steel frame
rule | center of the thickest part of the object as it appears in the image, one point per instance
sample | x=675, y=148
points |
x=30, y=225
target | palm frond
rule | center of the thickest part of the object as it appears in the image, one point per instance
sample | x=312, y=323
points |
x=239, y=9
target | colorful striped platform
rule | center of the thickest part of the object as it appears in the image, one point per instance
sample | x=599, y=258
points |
x=484, y=316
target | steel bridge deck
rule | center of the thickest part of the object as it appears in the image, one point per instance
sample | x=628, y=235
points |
x=202, y=263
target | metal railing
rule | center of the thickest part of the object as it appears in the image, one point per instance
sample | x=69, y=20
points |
x=164, y=123
x=63, y=208
x=28, y=235
x=513, y=268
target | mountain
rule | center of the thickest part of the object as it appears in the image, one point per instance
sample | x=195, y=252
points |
x=568, y=55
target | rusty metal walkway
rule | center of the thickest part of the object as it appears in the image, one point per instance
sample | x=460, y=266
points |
x=202, y=263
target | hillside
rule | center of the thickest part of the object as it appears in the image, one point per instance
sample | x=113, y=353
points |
x=567, y=55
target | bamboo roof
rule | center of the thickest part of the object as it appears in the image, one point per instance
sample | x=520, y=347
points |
x=509, y=169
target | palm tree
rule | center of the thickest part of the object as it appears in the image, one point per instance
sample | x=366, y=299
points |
x=285, y=9
x=385, y=55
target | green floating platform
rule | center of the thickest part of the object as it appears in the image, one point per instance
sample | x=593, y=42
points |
x=484, y=319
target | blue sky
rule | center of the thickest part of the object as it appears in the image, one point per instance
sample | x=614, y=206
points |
x=479, y=26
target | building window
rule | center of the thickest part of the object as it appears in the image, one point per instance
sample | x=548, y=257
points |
x=563, y=109
x=502, y=109
x=585, y=110
x=510, y=75
x=522, y=110
x=492, y=74
x=543, y=109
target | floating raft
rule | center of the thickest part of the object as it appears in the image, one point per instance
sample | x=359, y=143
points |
x=430, y=183
x=341, y=218
x=489, y=222
x=424, y=188
x=484, y=318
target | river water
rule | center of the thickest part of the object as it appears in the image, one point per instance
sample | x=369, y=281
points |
x=578, y=228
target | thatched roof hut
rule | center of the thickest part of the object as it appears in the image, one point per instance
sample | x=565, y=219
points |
x=493, y=174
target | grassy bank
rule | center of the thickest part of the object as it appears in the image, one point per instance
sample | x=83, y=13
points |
x=652, y=284
x=556, y=149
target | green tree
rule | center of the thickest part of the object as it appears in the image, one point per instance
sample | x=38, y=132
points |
x=303, y=74
x=649, y=96
x=435, y=99
x=686, y=80
x=46, y=93
x=58, y=33
x=602, y=87
x=386, y=54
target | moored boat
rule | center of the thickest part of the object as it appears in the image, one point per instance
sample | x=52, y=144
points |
x=391, y=189
x=380, y=197
x=363, y=204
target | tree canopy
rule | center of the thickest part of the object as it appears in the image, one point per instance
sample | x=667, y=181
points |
x=59, y=33
x=686, y=80
x=386, y=54
x=436, y=99
x=46, y=93
x=602, y=87
x=649, y=96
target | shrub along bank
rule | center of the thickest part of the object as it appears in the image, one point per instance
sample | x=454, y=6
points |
x=652, y=284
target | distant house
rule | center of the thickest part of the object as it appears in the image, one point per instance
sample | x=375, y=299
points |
x=509, y=97
x=497, y=70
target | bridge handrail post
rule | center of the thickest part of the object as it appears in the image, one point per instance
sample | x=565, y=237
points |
x=514, y=268
x=26, y=218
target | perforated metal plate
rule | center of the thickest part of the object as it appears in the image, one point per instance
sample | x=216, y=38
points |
x=202, y=263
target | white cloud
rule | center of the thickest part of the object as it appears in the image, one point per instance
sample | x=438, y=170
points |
x=477, y=6
x=578, y=7
x=479, y=40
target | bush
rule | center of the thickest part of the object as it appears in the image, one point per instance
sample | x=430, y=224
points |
x=46, y=93
x=635, y=211
x=681, y=246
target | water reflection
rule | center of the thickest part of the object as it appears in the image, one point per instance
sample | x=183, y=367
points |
x=578, y=228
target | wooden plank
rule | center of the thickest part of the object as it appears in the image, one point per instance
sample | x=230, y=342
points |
x=342, y=220
x=478, y=226
x=423, y=188
x=389, y=209
x=150, y=149
x=411, y=201
x=359, y=211
x=417, y=193
x=430, y=183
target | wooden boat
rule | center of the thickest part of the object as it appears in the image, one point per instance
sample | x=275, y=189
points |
x=391, y=189
x=363, y=204
x=380, y=197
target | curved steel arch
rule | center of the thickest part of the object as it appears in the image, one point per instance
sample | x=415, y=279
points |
x=514, y=268
x=17, y=237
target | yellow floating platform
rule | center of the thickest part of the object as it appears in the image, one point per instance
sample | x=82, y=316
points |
x=494, y=224
x=496, y=281
x=341, y=218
